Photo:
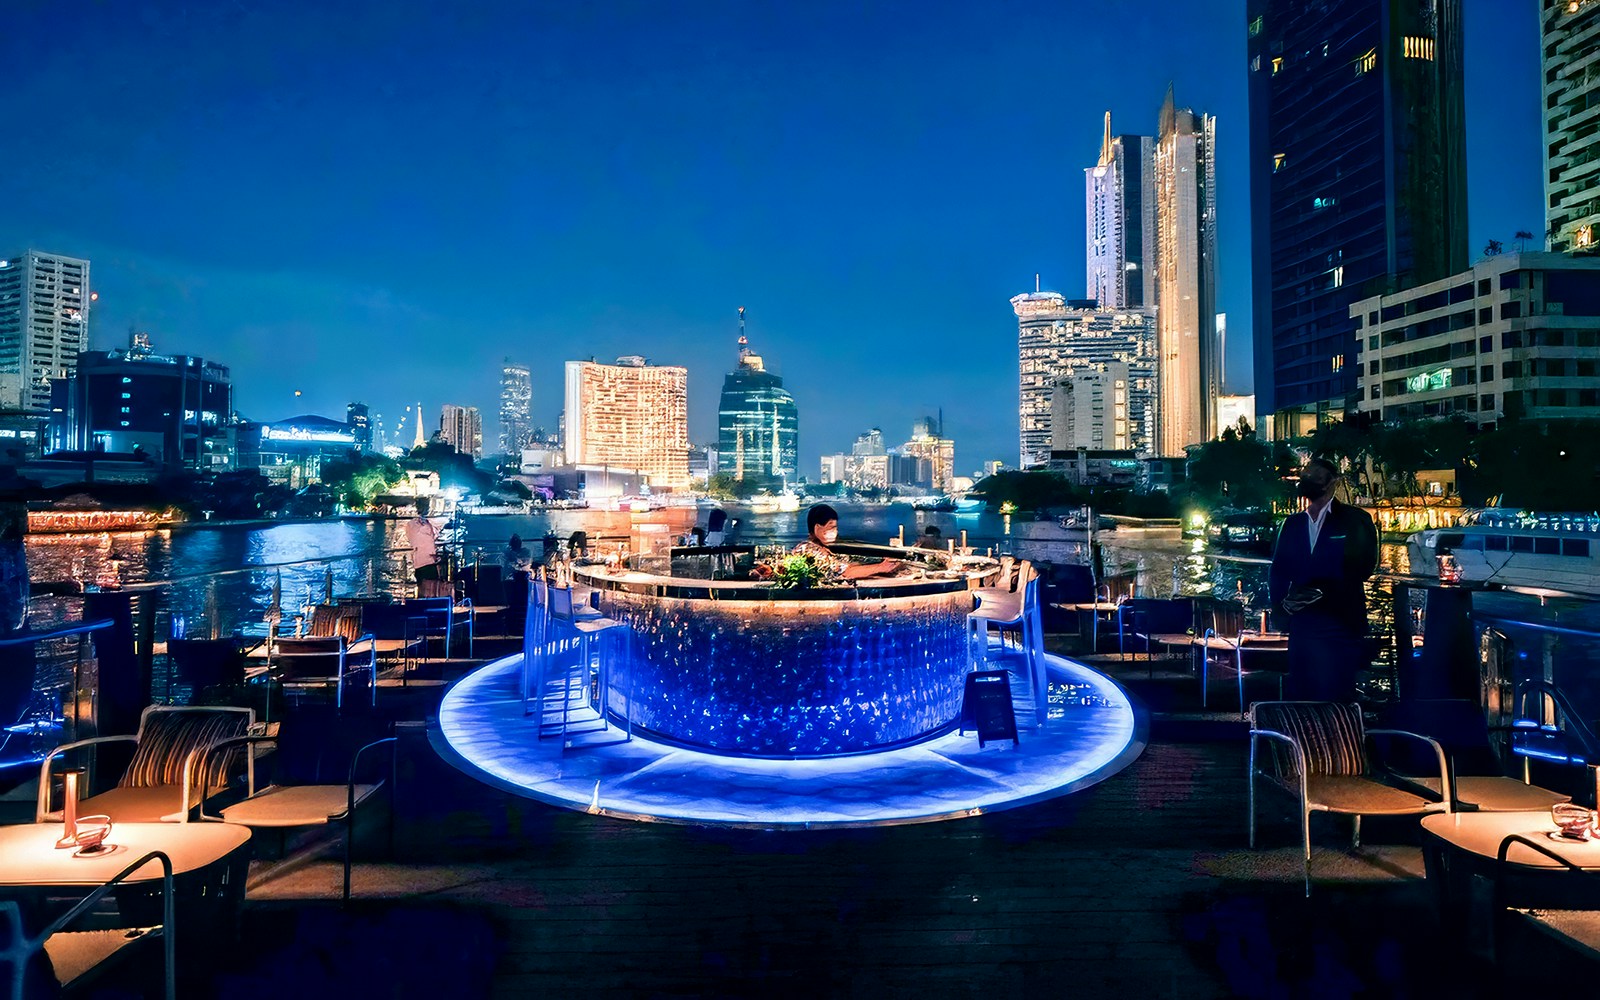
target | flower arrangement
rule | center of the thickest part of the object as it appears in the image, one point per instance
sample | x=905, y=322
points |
x=797, y=571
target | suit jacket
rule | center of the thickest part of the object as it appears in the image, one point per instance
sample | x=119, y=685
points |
x=1345, y=556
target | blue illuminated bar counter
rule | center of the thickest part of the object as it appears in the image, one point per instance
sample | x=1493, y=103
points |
x=741, y=668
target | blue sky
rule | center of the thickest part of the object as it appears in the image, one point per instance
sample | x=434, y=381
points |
x=382, y=200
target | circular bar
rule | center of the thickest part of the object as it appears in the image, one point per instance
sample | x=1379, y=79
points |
x=738, y=667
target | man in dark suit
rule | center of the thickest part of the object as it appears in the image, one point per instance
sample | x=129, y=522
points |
x=1323, y=557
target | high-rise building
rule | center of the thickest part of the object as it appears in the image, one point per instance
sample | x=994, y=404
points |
x=1571, y=39
x=176, y=410
x=1058, y=338
x=758, y=425
x=1357, y=182
x=1120, y=210
x=359, y=417
x=461, y=427
x=1188, y=379
x=516, y=406
x=631, y=414
x=929, y=445
x=44, y=324
x=1089, y=410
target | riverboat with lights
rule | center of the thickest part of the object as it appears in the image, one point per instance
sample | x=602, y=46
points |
x=1509, y=548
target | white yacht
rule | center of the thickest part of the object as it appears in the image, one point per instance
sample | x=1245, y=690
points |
x=1516, y=549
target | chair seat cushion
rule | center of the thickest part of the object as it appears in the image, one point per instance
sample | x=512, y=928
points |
x=1493, y=793
x=1348, y=794
x=154, y=804
x=76, y=954
x=294, y=805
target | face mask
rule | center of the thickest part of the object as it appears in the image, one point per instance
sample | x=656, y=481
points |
x=1310, y=490
x=829, y=535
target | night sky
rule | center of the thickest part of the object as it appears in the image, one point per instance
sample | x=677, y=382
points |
x=383, y=201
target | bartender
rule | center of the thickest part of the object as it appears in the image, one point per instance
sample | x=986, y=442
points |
x=822, y=530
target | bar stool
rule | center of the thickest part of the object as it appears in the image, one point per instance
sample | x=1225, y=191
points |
x=589, y=674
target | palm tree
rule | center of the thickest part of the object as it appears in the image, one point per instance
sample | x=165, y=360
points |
x=1522, y=236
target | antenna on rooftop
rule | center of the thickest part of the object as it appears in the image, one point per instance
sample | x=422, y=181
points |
x=1036, y=281
x=742, y=340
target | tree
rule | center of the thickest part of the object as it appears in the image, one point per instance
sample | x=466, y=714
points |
x=358, y=477
x=1522, y=236
x=453, y=468
x=1234, y=472
x=1493, y=248
x=1036, y=490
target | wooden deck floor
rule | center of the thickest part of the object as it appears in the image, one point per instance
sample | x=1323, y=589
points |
x=1140, y=886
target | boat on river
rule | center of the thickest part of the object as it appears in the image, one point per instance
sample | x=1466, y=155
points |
x=1509, y=548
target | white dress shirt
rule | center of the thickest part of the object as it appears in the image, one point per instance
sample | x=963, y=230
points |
x=1315, y=521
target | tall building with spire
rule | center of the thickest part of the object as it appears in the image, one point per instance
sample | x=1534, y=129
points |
x=420, y=439
x=1120, y=212
x=758, y=424
x=1188, y=371
x=1357, y=182
x=516, y=405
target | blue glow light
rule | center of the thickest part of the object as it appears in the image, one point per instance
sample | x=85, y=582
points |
x=1091, y=733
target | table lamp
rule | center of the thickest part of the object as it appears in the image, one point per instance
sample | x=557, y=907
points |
x=69, y=809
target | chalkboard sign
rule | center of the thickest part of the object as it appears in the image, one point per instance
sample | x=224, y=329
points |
x=986, y=706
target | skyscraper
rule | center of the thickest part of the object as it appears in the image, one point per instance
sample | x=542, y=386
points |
x=1357, y=182
x=1571, y=38
x=1187, y=378
x=516, y=403
x=758, y=425
x=359, y=417
x=1058, y=338
x=631, y=414
x=1120, y=211
x=44, y=324
x=461, y=427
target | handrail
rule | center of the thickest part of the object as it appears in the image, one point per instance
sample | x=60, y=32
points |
x=168, y=913
x=1538, y=626
x=60, y=632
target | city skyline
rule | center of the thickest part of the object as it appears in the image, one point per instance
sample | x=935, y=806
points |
x=230, y=226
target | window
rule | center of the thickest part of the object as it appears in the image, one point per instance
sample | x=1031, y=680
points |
x=1494, y=543
x=1277, y=162
x=1510, y=310
x=1367, y=63
x=1486, y=373
x=1485, y=345
x=1418, y=48
x=1372, y=343
x=1483, y=286
x=126, y=380
x=1255, y=65
x=1255, y=27
x=1575, y=547
x=1547, y=546
x=1277, y=64
x=1511, y=369
x=1512, y=279
x=1486, y=401
x=1485, y=317
x=1521, y=543
x=124, y=409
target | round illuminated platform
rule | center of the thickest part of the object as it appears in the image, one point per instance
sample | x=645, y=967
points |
x=1093, y=731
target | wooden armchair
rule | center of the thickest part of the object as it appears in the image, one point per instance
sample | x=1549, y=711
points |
x=161, y=781
x=1318, y=752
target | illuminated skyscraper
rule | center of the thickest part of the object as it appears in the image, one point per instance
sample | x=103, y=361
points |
x=1120, y=209
x=758, y=425
x=1571, y=39
x=461, y=427
x=359, y=417
x=516, y=402
x=1357, y=182
x=1187, y=371
x=44, y=324
x=1058, y=338
x=632, y=415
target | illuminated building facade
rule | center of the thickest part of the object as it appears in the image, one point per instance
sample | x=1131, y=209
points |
x=1188, y=373
x=631, y=414
x=1516, y=333
x=1571, y=39
x=461, y=427
x=359, y=417
x=1058, y=338
x=292, y=452
x=1357, y=182
x=1089, y=410
x=935, y=453
x=758, y=424
x=174, y=410
x=516, y=408
x=1120, y=210
x=44, y=325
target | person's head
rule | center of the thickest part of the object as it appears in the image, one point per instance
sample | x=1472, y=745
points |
x=822, y=524
x=516, y=541
x=716, y=519
x=423, y=506
x=1317, y=479
x=931, y=531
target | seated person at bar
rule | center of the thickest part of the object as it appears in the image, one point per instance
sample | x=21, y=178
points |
x=822, y=530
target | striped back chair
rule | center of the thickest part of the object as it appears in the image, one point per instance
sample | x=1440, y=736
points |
x=1318, y=752
x=332, y=619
